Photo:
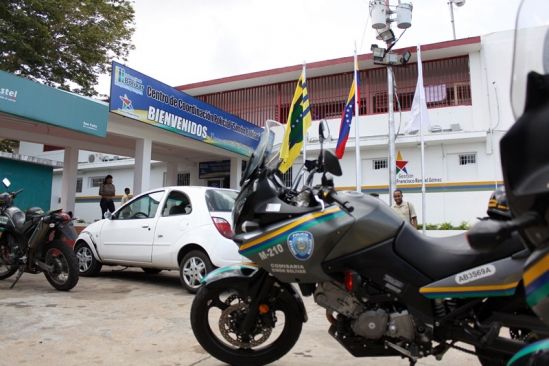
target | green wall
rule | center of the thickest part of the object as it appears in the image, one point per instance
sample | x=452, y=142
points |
x=36, y=180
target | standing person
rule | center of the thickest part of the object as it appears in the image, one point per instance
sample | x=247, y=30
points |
x=404, y=209
x=106, y=191
x=126, y=196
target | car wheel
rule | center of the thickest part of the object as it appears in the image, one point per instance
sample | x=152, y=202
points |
x=151, y=270
x=88, y=266
x=194, y=266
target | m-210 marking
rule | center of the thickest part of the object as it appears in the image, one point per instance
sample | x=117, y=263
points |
x=271, y=252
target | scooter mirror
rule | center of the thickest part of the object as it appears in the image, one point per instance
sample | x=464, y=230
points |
x=108, y=215
x=6, y=182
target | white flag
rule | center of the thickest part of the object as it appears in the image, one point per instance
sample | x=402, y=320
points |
x=419, y=118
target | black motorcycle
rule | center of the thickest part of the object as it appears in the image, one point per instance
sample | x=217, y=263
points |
x=33, y=242
x=387, y=289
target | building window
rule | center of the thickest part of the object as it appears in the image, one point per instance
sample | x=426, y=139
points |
x=78, y=185
x=183, y=179
x=287, y=178
x=467, y=159
x=96, y=181
x=379, y=164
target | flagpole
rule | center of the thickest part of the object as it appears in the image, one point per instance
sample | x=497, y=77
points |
x=423, y=213
x=357, y=128
x=306, y=134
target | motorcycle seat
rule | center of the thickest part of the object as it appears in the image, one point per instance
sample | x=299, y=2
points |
x=439, y=258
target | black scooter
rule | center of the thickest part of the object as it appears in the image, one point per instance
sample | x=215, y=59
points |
x=33, y=242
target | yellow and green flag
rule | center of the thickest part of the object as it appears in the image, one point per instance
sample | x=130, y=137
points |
x=299, y=121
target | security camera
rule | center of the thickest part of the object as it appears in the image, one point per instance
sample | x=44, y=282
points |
x=458, y=2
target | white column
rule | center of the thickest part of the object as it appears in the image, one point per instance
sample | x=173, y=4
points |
x=142, y=168
x=171, y=174
x=193, y=172
x=68, y=181
x=236, y=173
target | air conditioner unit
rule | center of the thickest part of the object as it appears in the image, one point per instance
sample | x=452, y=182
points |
x=436, y=128
x=455, y=127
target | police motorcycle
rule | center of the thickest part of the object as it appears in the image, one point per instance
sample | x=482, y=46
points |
x=33, y=242
x=387, y=289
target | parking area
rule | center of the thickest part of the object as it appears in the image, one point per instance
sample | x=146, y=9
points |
x=130, y=317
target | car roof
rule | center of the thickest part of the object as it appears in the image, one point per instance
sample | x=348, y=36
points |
x=187, y=189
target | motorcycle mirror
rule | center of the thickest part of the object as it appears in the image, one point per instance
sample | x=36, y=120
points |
x=321, y=136
x=331, y=163
x=6, y=182
x=488, y=234
x=107, y=215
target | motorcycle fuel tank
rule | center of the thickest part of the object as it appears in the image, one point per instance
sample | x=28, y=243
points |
x=293, y=250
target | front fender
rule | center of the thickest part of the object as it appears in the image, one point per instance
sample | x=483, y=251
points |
x=88, y=238
x=226, y=276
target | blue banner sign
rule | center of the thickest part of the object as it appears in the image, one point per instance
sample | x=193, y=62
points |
x=140, y=97
x=214, y=169
x=42, y=103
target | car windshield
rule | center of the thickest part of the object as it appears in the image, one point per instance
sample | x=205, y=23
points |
x=262, y=152
x=220, y=201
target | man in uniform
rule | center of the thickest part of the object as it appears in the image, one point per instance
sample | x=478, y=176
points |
x=404, y=209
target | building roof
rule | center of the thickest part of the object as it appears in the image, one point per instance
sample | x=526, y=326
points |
x=431, y=51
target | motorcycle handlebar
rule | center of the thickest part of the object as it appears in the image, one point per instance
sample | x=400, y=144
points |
x=332, y=195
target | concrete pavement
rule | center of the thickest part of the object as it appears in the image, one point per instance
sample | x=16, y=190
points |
x=129, y=317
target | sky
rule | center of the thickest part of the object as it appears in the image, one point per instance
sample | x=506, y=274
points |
x=184, y=41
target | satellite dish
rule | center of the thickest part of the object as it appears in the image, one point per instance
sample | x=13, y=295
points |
x=458, y=2
x=91, y=158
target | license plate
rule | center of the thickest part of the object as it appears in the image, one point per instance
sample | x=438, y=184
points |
x=3, y=220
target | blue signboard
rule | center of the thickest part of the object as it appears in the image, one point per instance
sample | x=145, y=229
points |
x=140, y=97
x=26, y=98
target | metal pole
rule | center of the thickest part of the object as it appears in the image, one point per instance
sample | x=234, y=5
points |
x=392, y=159
x=452, y=18
x=357, y=130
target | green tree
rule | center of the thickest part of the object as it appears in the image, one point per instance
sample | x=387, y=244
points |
x=64, y=43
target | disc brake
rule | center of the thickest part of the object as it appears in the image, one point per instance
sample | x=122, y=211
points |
x=228, y=325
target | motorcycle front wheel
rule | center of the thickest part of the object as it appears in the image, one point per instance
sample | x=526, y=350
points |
x=63, y=272
x=216, y=317
x=7, y=265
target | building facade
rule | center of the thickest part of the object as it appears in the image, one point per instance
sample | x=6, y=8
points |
x=467, y=86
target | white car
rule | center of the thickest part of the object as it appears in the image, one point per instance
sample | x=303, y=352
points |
x=175, y=228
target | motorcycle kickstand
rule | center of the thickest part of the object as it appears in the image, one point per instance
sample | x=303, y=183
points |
x=18, y=276
x=412, y=362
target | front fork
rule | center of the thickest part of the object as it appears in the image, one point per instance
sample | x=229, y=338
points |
x=259, y=291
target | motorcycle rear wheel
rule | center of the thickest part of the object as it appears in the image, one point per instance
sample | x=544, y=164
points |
x=232, y=304
x=64, y=273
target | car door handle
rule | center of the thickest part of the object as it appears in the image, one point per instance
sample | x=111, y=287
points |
x=145, y=226
x=160, y=235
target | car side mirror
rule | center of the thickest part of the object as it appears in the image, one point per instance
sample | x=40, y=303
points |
x=108, y=215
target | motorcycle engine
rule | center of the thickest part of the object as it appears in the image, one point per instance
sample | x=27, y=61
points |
x=367, y=323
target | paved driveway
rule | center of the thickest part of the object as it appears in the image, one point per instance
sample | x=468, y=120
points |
x=129, y=317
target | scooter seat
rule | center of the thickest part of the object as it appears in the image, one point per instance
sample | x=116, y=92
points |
x=439, y=258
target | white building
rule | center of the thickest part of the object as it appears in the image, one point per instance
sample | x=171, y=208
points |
x=467, y=84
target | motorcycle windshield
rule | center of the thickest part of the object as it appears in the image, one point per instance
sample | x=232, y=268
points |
x=531, y=50
x=262, y=152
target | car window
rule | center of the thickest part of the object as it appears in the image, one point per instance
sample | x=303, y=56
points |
x=178, y=203
x=143, y=207
x=220, y=201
